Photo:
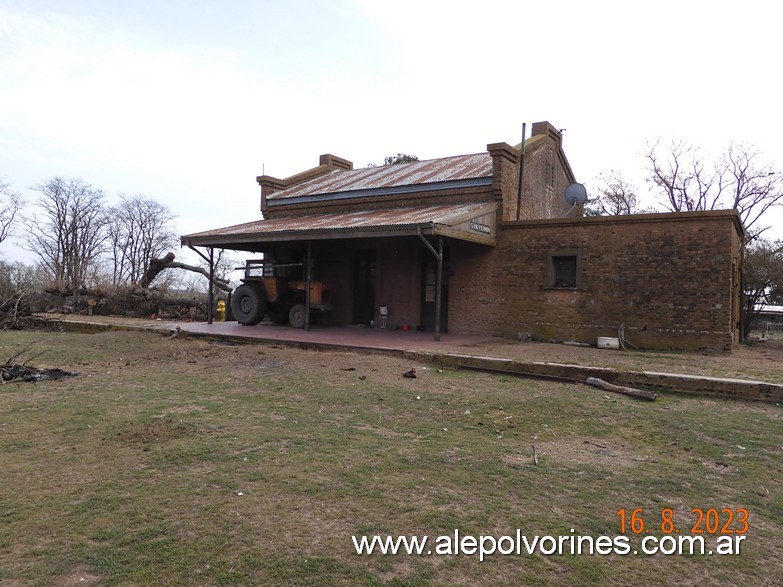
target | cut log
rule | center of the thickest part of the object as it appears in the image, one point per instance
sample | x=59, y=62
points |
x=630, y=391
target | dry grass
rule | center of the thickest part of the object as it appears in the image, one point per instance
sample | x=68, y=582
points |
x=183, y=462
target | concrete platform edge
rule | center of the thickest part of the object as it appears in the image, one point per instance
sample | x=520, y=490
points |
x=667, y=382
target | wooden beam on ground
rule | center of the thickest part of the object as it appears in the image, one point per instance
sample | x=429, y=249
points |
x=630, y=391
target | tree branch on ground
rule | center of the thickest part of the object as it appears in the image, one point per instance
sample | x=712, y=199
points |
x=167, y=262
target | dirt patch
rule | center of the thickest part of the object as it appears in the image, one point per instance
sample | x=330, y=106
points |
x=721, y=467
x=187, y=409
x=578, y=451
x=79, y=576
x=163, y=430
x=384, y=432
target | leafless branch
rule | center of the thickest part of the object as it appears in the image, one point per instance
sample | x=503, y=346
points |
x=737, y=180
x=10, y=204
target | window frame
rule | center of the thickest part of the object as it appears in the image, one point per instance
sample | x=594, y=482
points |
x=549, y=176
x=552, y=269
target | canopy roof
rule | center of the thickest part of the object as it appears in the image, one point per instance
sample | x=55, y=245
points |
x=473, y=222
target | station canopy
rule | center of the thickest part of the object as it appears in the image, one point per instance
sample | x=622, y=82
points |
x=473, y=222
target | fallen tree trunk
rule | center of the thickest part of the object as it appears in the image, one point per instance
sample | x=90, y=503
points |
x=630, y=391
x=167, y=262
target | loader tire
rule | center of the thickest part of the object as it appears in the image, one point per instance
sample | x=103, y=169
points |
x=248, y=304
x=296, y=317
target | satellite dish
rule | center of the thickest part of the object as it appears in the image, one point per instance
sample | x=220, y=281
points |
x=575, y=194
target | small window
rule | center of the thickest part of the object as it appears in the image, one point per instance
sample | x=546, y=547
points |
x=564, y=271
x=550, y=176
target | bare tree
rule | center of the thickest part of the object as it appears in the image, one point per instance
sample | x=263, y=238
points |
x=762, y=278
x=10, y=204
x=224, y=265
x=138, y=230
x=17, y=276
x=616, y=196
x=68, y=235
x=738, y=179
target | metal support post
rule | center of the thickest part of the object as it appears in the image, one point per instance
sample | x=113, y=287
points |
x=309, y=284
x=211, y=294
x=438, y=288
x=438, y=280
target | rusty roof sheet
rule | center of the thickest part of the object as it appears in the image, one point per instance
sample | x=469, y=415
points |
x=447, y=214
x=390, y=176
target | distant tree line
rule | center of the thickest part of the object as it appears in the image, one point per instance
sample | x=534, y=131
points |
x=80, y=240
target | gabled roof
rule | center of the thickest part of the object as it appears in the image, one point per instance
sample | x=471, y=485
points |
x=392, y=178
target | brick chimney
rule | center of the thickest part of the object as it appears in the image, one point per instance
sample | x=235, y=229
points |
x=326, y=164
x=546, y=128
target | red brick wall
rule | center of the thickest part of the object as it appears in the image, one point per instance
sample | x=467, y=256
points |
x=539, y=200
x=666, y=277
x=398, y=277
x=399, y=281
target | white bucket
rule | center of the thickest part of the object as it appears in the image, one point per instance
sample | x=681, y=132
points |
x=607, y=342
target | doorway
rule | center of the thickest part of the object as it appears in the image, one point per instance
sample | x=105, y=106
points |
x=364, y=267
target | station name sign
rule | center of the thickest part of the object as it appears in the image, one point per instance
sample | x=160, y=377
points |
x=478, y=227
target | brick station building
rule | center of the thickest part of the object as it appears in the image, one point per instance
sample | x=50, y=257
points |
x=458, y=233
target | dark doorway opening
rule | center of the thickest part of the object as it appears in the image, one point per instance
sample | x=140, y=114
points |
x=364, y=286
x=429, y=291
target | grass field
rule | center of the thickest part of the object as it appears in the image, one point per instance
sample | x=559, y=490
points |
x=184, y=462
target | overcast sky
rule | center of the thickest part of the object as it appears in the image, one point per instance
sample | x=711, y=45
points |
x=188, y=101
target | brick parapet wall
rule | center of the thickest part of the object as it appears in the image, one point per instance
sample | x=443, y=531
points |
x=666, y=277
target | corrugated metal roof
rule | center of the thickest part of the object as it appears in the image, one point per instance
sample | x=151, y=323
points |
x=390, y=176
x=448, y=214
